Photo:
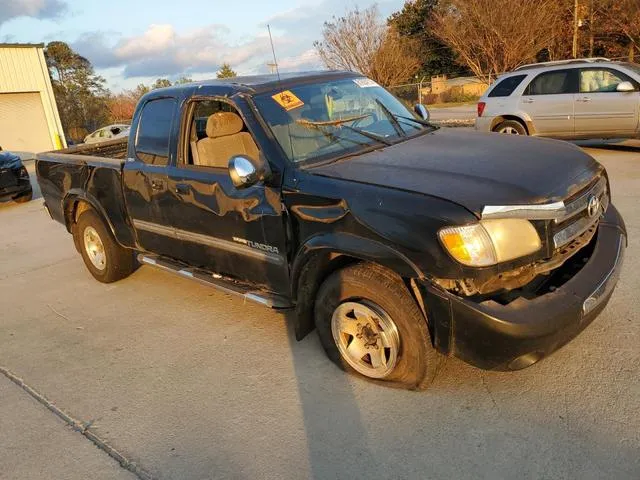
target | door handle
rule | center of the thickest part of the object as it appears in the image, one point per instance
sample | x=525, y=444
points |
x=528, y=100
x=182, y=188
x=157, y=184
x=584, y=99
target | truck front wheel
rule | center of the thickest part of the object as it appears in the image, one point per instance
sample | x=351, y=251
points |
x=104, y=257
x=369, y=324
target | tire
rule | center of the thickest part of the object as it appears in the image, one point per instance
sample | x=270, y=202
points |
x=24, y=198
x=104, y=257
x=370, y=291
x=511, y=127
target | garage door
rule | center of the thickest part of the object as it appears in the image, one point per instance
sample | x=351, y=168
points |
x=23, y=126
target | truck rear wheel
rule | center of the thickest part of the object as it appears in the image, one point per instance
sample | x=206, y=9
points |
x=369, y=324
x=104, y=257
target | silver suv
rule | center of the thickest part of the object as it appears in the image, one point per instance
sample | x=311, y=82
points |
x=587, y=98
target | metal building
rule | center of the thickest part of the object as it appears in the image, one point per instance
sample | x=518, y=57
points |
x=29, y=119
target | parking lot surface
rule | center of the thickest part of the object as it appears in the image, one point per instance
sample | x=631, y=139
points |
x=187, y=382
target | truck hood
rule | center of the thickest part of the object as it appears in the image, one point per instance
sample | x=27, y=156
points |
x=473, y=169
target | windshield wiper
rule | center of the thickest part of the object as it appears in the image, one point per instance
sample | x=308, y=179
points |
x=392, y=118
x=335, y=123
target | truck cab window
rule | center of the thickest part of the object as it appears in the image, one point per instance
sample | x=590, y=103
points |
x=216, y=133
x=154, y=131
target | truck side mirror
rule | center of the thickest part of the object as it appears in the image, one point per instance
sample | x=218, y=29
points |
x=246, y=171
x=625, y=87
x=422, y=111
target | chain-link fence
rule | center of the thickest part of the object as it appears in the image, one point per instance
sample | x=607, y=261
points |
x=441, y=90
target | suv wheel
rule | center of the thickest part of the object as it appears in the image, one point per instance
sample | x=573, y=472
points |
x=369, y=324
x=510, y=127
x=104, y=257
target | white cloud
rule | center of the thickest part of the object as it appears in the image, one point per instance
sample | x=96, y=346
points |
x=161, y=51
x=10, y=9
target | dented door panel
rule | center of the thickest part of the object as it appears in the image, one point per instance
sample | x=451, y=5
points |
x=239, y=233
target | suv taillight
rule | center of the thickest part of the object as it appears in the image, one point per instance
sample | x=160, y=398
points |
x=481, y=106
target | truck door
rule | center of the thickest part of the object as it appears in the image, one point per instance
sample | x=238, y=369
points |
x=145, y=175
x=237, y=233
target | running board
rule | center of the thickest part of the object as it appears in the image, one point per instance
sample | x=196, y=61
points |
x=219, y=282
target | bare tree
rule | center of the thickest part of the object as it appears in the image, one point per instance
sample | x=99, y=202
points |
x=492, y=39
x=623, y=17
x=395, y=61
x=359, y=41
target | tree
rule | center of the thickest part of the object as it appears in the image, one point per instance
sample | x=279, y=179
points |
x=161, y=83
x=226, y=71
x=412, y=22
x=390, y=65
x=80, y=93
x=182, y=80
x=121, y=107
x=491, y=39
x=139, y=91
x=622, y=18
x=359, y=41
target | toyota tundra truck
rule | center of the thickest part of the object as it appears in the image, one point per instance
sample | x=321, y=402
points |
x=322, y=194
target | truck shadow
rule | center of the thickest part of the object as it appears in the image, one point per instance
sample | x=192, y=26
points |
x=338, y=440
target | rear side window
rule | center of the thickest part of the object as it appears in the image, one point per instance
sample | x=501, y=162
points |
x=154, y=131
x=505, y=87
x=552, y=83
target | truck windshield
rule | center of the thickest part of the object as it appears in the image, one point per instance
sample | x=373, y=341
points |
x=337, y=118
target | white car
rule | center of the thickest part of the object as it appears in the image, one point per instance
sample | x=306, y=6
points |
x=570, y=99
x=110, y=132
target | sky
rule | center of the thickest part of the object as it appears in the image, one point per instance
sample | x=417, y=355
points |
x=136, y=41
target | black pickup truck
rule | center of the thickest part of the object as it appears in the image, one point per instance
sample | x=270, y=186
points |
x=322, y=193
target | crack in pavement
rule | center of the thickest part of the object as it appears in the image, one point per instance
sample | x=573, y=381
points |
x=79, y=426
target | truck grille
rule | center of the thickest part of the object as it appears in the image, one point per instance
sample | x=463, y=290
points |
x=581, y=213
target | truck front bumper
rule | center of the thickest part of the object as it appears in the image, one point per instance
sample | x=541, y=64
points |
x=493, y=336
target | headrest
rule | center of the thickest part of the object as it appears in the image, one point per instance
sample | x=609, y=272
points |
x=221, y=124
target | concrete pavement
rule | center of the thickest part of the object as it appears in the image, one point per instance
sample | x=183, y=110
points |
x=191, y=383
x=36, y=444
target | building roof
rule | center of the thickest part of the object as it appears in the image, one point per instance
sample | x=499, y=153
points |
x=21, y=45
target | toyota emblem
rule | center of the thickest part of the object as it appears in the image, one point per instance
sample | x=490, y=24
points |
x=593, y=207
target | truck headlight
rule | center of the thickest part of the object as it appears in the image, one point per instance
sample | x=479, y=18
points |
x=490, y=241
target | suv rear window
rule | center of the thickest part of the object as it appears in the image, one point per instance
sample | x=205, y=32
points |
x=552, y=83
x=154, y=131
x=505, y=87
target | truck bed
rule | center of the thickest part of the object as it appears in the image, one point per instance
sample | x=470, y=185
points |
x=89, y=172
x=110, y=149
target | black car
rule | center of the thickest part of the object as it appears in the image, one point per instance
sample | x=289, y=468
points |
x=323, y=194
x=14, y=178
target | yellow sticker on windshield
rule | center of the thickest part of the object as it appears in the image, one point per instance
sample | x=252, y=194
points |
x=287, y=100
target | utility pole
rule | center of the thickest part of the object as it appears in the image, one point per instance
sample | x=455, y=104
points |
x=575, y=28
x=591, y=28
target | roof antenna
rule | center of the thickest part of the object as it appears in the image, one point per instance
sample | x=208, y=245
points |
x=275, y=64
x=273, y=50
